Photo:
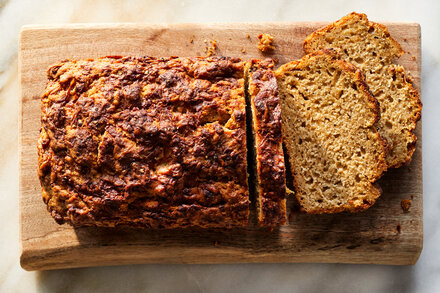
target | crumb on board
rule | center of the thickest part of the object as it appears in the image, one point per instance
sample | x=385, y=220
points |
x=405, y=39
x=398, y=228
x=414, y=58
x=243, y=51
x=265, y=43
x=248, y=36
x=191, y=41
x=216, y=243
x=210, y=48
x=405, y=204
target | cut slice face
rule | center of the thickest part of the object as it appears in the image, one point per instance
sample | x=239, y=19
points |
x=334, y=150
x=370, y=47
x=270, y=181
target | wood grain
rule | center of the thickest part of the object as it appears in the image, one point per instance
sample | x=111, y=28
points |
x=384, y=234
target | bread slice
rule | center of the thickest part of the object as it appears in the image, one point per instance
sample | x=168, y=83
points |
x=270, y=180
x=370, y=47
x=333, y=148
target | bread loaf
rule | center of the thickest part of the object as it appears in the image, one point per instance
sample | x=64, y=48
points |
x=145, y=142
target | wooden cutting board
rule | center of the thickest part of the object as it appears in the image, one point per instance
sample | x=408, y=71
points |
x=384, y=234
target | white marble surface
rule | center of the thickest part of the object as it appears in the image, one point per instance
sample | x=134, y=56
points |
x=423, y=277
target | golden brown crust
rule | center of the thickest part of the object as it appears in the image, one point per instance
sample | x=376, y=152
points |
x=145, y=142
x=264, y=99
x=381, y=167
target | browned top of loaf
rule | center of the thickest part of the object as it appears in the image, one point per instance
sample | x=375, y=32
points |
x=263, y=91
x=145, y=142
